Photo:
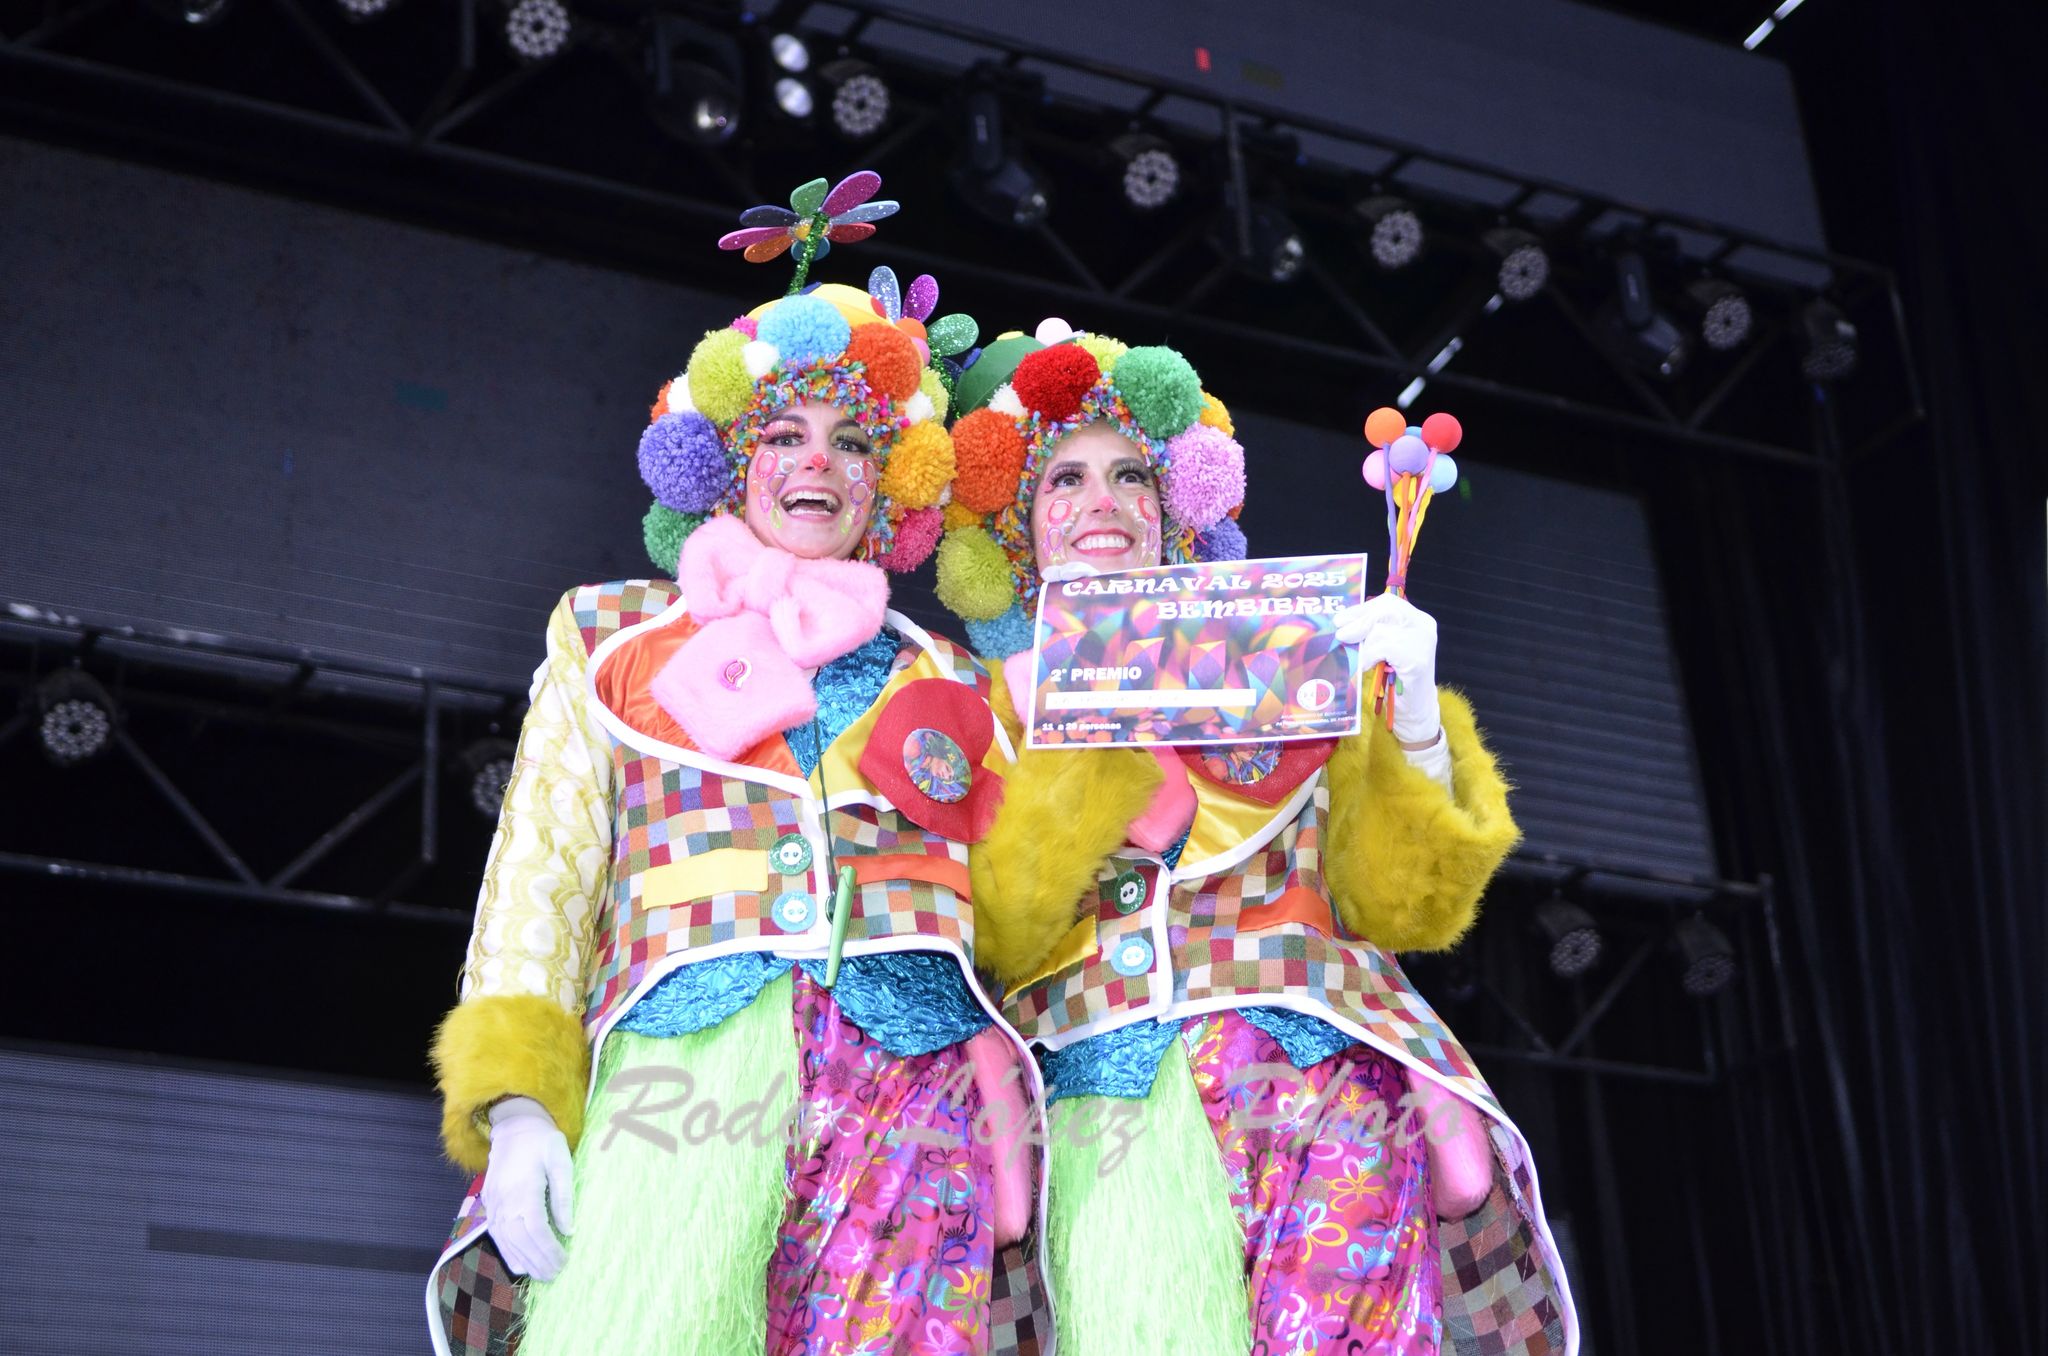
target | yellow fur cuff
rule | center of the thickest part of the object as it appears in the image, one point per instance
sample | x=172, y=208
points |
x=1063, y=814
x=1406, y=862
x=512, y=1045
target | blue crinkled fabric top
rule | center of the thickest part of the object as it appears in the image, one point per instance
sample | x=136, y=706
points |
x=910, y=1002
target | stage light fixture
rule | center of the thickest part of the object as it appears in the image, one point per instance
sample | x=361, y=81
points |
x=789, y=52
x=1723, y=311
x=990, y=177
x=1644, y=332
x=1827, y=342
x=197, y=13
x=1272, y=250
x=1460, y=977
x=858, y=96
x=537, y=29
x=77, y=722
x=689, y=98
x=364, y=9
x=1706, y=958
x=1148, y=169
x=487, y=764
x=1524, y=263
x=793, y=97
x=1574, y=937
x=1393, y=230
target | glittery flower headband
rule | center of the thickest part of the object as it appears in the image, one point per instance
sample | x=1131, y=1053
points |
x=1019, y=399
x=866, y=354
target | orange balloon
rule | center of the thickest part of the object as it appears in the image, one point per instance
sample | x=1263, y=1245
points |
x=1384, y=425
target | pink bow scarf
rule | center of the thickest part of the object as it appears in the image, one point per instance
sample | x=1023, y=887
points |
x=765, y=617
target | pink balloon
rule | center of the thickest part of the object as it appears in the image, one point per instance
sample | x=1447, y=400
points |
x=1375, y=469
x=1408, y=455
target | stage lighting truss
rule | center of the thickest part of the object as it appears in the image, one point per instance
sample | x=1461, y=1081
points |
x=537, y=29
x=75, y=717
x=1524, y=264
x=1148, y=170
x=1827, y=342
x=1393, y=230
x=1724, y=314
x=1572, y=937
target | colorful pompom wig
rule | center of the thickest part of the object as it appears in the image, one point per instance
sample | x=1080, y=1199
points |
x=1015, y=403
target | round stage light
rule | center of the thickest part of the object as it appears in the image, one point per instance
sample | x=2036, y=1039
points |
x=1394, y=232
x=537, y=29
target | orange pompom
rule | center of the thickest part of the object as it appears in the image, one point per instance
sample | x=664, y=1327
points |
x=989, y=453
x=1384, y=425
x=660, y=405
x=890, y=359
x=1442, y=432
x=1235, y=509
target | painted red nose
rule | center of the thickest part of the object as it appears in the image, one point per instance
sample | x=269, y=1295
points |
x=1106, y=504
x=819, y=462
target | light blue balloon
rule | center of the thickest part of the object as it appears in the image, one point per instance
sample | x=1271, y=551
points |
x=1443, y=474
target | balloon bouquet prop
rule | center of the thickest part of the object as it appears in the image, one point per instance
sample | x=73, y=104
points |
x=1410, y=465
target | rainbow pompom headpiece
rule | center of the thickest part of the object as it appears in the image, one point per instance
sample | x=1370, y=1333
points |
x=859, y=352
x=1026, y=393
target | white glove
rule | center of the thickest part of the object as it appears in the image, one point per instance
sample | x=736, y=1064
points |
x=1391, y=630
x=529, y=1174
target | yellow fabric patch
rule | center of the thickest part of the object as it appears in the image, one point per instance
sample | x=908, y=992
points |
x=703, y=874
x=1225, y=820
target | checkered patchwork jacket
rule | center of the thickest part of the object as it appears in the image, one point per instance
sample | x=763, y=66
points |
x=624, y=852
x=1246, y=918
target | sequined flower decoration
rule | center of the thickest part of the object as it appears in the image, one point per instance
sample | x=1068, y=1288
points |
x=812, y=223
x=910, y=310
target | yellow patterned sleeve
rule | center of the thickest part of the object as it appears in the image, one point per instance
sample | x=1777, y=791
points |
x=550, y=859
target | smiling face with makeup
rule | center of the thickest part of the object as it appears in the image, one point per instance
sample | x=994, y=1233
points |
x=1097, y=504
x=811, y=483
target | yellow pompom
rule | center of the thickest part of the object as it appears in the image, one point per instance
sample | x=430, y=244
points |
x=1215, y=415
x=959, y=515
x=935, y=391
x=919, y=466
x=974, y=576
x=1103, y=349
x=720, y=387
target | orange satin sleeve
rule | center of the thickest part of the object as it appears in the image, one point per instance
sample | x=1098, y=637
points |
x=625, y=681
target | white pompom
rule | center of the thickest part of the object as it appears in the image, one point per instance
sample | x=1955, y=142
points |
x=1005, y=401
x=919, y=410
x=945, y=498
x=679, y=401
x=1053, y=330
x=760, y=358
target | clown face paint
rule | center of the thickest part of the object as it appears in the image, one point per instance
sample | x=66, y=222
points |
x=811, y=484
x=1097, y=504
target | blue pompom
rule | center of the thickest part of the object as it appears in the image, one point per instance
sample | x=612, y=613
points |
x=1003, y=637
x=684, y=462
x=1223, y=541
x=805, y=330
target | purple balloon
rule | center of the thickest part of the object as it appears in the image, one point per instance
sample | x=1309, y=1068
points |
x=1444, y=474
x=1408, y=454
x=1375, y=469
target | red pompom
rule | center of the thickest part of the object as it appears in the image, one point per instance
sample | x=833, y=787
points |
x=890, y=358
x=1442, y=432
x=988, y=453
x=1053, y=380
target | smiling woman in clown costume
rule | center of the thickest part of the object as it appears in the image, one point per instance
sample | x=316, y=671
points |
x=1199, y=940
x=721, y=959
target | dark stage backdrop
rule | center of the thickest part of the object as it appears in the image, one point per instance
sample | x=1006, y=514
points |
x=250, y=418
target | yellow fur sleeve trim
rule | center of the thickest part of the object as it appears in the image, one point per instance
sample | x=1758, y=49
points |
x=1063, y=814
x=1407, y=862
x=513, y=1045
x=1004, y=706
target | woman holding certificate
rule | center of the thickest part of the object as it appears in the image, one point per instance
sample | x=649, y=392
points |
x=1198, y=940
x=719, y=1049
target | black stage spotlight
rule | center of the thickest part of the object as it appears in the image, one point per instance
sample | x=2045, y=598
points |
x=77, y=722
x=1827, y=342
x=1706, y=958
x=537, y=29
x=487, y=766
x=989, y=176
x=1573, y=936
x=1393, y=230
x=1460, y=977
x=1147, y=168
x=359, y=10
x=1524, y=263
x=785, y=70
x=197, y=13
x=689, y=98
x=1723, y=313
x=1645, y=333
x=858, y=97
x=1270, y=249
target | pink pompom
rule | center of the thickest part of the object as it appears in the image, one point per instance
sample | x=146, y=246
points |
x=1442, y=432
x=748, y=326
x=1204, y=475
x=1375, y=468
x=1408, y=455
x=917, y=536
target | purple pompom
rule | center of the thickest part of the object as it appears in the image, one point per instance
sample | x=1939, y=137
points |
x=684, y=463
x=1204, y=475
x=1224, y=541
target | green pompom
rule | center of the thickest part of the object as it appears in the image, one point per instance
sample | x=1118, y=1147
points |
x=933, y=384
x=719, y=385
x=663, y=530
x=974, y=575
x=1161, y=388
